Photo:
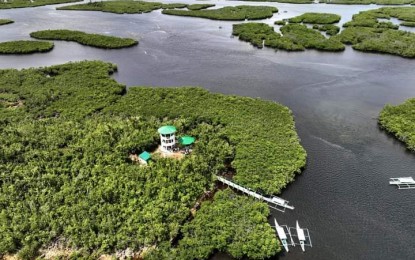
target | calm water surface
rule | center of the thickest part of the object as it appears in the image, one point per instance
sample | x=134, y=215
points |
x=343, y=196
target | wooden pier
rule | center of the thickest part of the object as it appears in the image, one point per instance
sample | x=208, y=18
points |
x=273, y=201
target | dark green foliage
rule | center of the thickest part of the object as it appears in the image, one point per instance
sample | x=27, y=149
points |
x=230, y=13
x=296, y=37
x=310, y=38
x=368, y=2
x=71, y=90
x=390, y=41
x=328, y=28
x=199, y=6
x=280, y=22
x=366, y=33
x=282, y=1
x=400, y=121
x=65, y=170
x=370, y=19
x=261, y=34
x=247, y=125
x=230, y=223
x=95, y=40
x=27, y=3
x=24, y=47
x=5, y=21
x=122, y=7
x=316, y=18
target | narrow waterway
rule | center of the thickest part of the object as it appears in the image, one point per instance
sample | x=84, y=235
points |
x=343, y=195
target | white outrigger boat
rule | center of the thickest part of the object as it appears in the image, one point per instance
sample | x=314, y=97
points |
x=301, y=236
x=403, y=182
x=281, y=235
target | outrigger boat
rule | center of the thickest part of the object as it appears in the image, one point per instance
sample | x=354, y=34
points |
x=403, y=182
x=281, y=235
x=301, y=236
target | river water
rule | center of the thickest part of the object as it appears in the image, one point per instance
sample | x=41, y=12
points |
x=343, y=195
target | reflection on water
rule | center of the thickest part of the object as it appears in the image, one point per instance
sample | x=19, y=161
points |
x=343, y=196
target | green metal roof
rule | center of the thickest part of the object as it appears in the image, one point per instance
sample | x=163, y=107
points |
x=167, y=129
x=187, y=140
x=145, y=156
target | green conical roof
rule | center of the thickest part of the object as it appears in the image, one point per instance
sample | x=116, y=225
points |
x=167, y=129
x=186, y=140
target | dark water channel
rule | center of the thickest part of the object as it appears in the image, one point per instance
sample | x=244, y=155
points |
x=343, y=196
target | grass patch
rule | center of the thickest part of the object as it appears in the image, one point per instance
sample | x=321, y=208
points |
x=316, y=18
x=199, y=6
x=24, y=47
x=400, y=121
x=366, y=33
x=229, y=13
x=5, y=21
x=67, y=150
x=28, y=3
x=94, y=40
x=122, y=7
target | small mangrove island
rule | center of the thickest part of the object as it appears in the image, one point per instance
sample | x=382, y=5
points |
x=9, y=4
x=229, y=13
x=89, y=39
x=70, y=134
x=295, y=37
x=316, y=18
x=25, y=47
x=5, y=21
x=400, y=121
x=366, y=33
x=122, y=7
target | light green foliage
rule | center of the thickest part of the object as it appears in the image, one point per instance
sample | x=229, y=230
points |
x=199, y=6
x=283, y=1
x=368, y=2
x=28, y=3
x=400, y=121
x=316, y=18
x=5, y=21
x=408, y=24
x=122, y=6
x=366, y=33
x=230, y=223
x=230, y=13
x=95, y=40
x=267, y=148
x=24, y=47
